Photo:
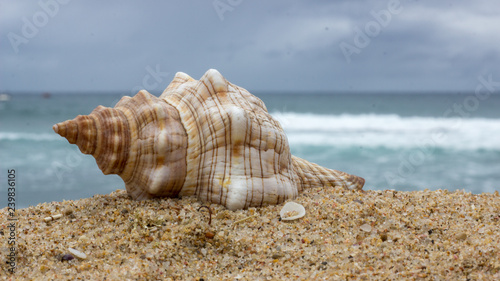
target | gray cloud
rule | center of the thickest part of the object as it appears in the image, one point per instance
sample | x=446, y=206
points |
x=260, y=45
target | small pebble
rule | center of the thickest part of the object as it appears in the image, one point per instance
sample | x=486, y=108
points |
x=277, y=256
x=366, y=227
x=461, y=236
x=322, y=267
x=77, y=253
x=54, y=217
x=68, y=211
x=84, y=239
x=383, y=237
x=67, y=257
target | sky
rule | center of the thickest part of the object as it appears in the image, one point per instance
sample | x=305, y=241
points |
x=66, y=46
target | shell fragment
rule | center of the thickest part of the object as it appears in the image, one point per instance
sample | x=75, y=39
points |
x=292, y=211
x=54, y=217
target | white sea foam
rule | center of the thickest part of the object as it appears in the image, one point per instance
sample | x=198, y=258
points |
x=17, y=136
x=391, y=131
x=368, y=131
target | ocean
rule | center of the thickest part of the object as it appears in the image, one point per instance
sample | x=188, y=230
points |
x=398, y=141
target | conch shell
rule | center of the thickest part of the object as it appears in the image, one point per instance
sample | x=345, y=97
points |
x=206, y=138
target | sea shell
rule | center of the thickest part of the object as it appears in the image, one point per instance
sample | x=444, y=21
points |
x=292, y=211
x=206, y=138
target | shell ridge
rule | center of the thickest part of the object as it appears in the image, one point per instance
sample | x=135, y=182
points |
x=248, y=144
x=148, y=115
x=136, y=156
x=316, y=173
x=263, y=188
x=313, y=175
x=299, y=172
x=227, y=121
x=283, y=185
x=248, y=139
x=94, y=144
x=116, y=143
x=248, y=134
x=197, y=139
x=215, y=151
x=227, y=158
x=149, y=179
x=126, y=144
x=244, y=160
x=337, y=179
x=191, y=114
x=131, y=124
x=253, y=115
x=141, y=193
x=185, y=112
x=207, y=189
x=218, y=82
x=164, y=120
x=216, y=88
x=228, y=153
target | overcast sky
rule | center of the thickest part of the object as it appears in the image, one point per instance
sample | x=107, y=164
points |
x=387, y=45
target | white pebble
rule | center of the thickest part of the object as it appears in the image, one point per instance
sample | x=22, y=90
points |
x=366, y=227
x=77, y=253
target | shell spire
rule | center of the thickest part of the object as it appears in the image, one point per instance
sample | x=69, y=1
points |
x=207, y=138
x=141, y=140
x=87, y=132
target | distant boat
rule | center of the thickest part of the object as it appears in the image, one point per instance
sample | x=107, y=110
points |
x=4, y=97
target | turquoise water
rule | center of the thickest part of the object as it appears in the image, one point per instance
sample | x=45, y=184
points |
x=394, y=141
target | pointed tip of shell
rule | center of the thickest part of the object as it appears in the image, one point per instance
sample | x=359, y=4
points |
x=66, y=129
x=181, y=76
x=218, y=81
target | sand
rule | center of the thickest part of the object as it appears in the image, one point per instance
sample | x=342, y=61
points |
x=345, y=235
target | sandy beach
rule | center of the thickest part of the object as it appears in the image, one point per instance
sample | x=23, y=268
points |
x=345, y=235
